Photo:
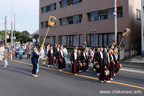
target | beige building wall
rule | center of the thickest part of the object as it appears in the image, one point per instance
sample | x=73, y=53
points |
x=142, y=27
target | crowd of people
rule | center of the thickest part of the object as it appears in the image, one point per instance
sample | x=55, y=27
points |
x=5, y=53
x=104, y=60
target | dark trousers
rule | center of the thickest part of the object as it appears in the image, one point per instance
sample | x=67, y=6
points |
x=75, y=67
x=16, y=54
x=20, y=56
x=34, y=68
x=28, y=56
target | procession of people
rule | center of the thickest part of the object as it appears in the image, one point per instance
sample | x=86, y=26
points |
x=104, y=61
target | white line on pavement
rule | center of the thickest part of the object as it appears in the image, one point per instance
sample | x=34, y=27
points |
x=132, y=70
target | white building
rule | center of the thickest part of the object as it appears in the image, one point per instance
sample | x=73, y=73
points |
x=35, y=33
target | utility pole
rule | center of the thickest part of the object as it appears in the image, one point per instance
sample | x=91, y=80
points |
x=115, y=14
x=5, y=29
x=14, y=26
x=12, y=32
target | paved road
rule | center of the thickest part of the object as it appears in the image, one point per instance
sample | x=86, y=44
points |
x=16, y=80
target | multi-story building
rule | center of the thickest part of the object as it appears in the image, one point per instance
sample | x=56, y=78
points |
x=91, y=21
x=142, y=26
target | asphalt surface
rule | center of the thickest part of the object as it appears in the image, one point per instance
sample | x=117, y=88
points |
x=16, y=80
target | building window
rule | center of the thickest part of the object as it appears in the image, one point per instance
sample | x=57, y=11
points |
x=53, y=7
x=65, y=3
x=77, y=19
x=76, y=40
x=71, y=20
x=53, y=38
x=119, y=38
x=92, y=40
x=76, y=1
x=81, y=40
x=93, y=16
x=73, y=40
x=44, y=24
x=138, y=14
x=63, y=21
x=119, y=12
x=100, y=40
x=44, y=9
x=104, y=14
x=48, y=8
x=111, y=37
x=105, y=40
x=110, y=13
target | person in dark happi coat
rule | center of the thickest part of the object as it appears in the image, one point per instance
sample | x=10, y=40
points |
x=80, y=61
x=51, y=57
x=61, y=60
x=74, y=62
x=84, y=60
x=87, y=59
x=112, y=64
x=57, y=53
x=95, y=58
x=34, y=60
x=116, y=69
x=99, y=61
x=106, y=66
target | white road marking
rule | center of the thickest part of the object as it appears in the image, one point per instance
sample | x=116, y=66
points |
x=132, y=70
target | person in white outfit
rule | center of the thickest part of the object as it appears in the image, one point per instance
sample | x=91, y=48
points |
x=42, y=51
x=10, y=49
x=65, y=53
x=5, y=56
x=116, y=52
x=48, y=48
x=1, y=52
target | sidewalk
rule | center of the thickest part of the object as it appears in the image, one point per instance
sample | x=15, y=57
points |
x=136, y=59
x=135, y=62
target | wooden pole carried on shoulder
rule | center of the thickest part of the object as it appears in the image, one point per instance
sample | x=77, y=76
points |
x=51, y=23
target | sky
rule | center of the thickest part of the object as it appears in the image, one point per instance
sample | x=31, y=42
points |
x=27, y=14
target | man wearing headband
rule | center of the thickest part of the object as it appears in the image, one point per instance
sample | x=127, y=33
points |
x=34, y=60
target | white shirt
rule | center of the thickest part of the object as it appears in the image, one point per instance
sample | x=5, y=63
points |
x=112, y=57
x=101, y=55
x=84, y=55
x=51, y=51
x=61, y=53
x=24, y=46
x=47, y=48
x=65, y=51
x=75, y=56
x=105, y=50
x=58, y=49
x=2, y=49
x=108, y=58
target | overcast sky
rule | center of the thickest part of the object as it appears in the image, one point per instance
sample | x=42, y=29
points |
x=27, y=14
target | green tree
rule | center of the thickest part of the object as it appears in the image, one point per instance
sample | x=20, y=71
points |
x=2, y=34
x=25, y=33
x=36, y=36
